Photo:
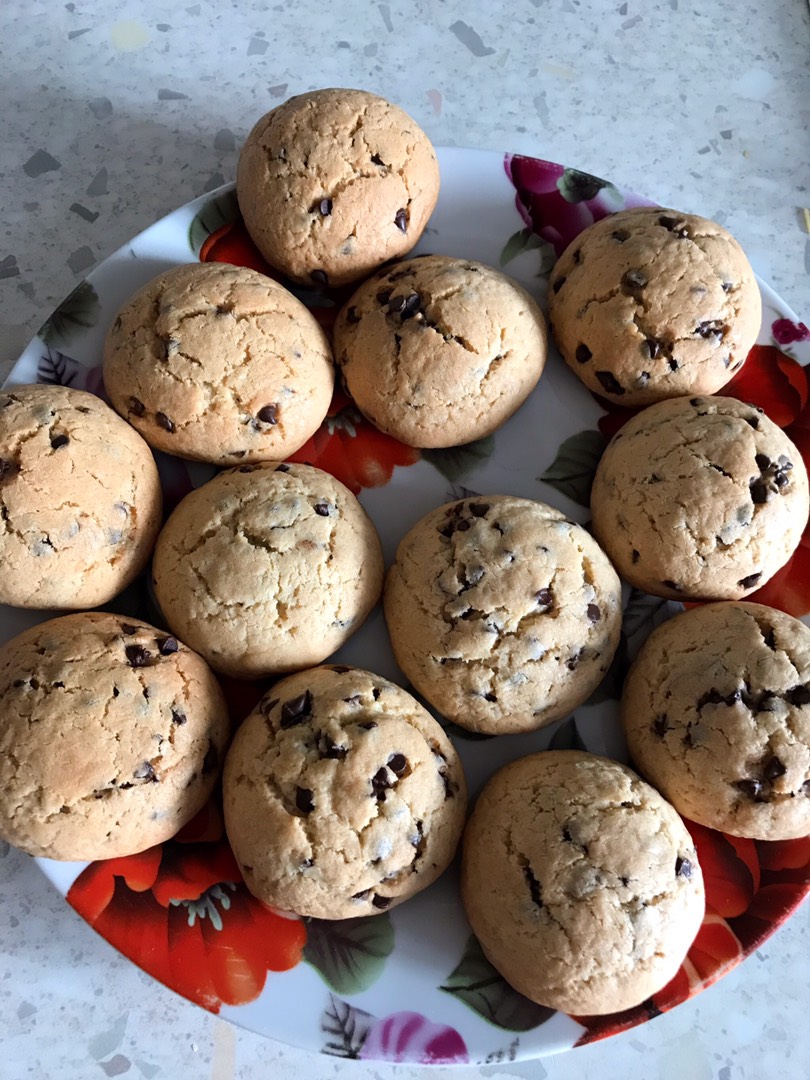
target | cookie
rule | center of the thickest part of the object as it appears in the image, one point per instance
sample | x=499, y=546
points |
x=503, y=614
x=439, y=351
x=219, y=363
x=699, y=498
x=650, y=304
x=716, y=710
x=267, y=568
x=80, y=499
x=334, y=183
x=342, y=795
x=111, y=737
x=580, y=882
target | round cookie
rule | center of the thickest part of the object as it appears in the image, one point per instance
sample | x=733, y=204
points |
x=439, y=351
x=334, y=183
x=111, y=737
x=580, y=882
x=80, y=499
x=699, y=498
x=650, y=303
x=503, y=614
x=219, y=363
x=342, y=795
x=267, y=568
x=716, y=710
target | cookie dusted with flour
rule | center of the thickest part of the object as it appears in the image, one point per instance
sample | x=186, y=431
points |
x=267, y=568
x=580, y=882
x=219, y=363
x=334, y=183
x=342, y=795
x=80, y=500
x=700, y=498
x=716, y=710
x=439, y=351
x=112, y=735
x=650, y=303
x=502, y=613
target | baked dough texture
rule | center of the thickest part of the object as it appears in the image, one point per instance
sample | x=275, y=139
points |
x=581, y=883
x=342, y=795
x=716, y=710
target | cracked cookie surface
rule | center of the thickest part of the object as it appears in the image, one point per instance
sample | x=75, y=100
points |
x=342, y=795
x=502, y=613
x=219, y=363
x=267, y=568
x=650, y=303
x=80, y=499
x=438, y=351
x=716, y=710
x=333, y=183
x=700, y=498
x=581, y=883
x=112, y=735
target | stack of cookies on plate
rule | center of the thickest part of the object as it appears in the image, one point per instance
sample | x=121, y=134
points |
x=343, y=794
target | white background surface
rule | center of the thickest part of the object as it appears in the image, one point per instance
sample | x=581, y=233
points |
x=138, y=107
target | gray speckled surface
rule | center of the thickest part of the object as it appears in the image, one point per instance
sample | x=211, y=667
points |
x=118, y=112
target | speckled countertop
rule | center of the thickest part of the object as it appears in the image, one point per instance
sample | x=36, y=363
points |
x=116, y=113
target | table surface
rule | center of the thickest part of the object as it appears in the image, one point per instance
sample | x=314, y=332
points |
x=116, y=113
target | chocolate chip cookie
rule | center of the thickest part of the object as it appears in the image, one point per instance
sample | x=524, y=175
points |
x=502, y=613
x=334, y=183
x=650, y=303
x=581, y=883
x=342, y=795
x=439, y=351
x=700, y=498
x=112, y=734
x=80, y=499
x=219, y=363
x=716, y=710
x=267, y=568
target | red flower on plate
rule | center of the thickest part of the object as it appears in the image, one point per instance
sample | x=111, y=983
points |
x=786, y=332
x=772, y=380
x=182, y=913
x=353, y=450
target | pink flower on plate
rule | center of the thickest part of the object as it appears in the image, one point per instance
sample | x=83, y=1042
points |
x=786, y=332
x=411, y=1037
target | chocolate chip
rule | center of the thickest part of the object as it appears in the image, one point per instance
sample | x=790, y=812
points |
x=654, y=348
x=163, y=421
x=534, y=886
x=558, y=284
x=366, y=725
x=463, y=525
x=362, y=895
x=58, y=685
x=211, y=759
x=178, y=717
x=383, y=296
x=670, y=584
x=266, y=707
x=448, y=787
x=673, y=364
x=381, y=902
x=573, y=661
x=769, y=638
x=296, y=710
x=340, y=669
x=268, y=414
x=380, y=782
x=325, y=207
x=762, y=461
x=377, y=160
x=634, y=556
x=620, y=235
x=577, y=256
x=351, y=315
x=304, y=865
x=171, y=345
x=774, y=768
x=136, y=406
x=322, y=509
x=610, y=382
x=330, y=749
x=751, y=788
x=660, y=725
x=678, y=228
x=59, y=440
x=750, y=581
x=583, y=353
x=319, y=277
x=594, y=614
x=398, y=763
x=759, y=492
x=634, y=280
x=642, y=379
x=128, y=628
x=544, y=598
x=490, y=696
x=282, y=468
x=478, y=509
x=401, y=220
x=116, y=691
x=168, y=646
x=137, y=656
x=33, y=682
x=798, y=695
x=145, y=772
x=303, y=800
x=711, y=329
x=375, y=693
x=683, y=867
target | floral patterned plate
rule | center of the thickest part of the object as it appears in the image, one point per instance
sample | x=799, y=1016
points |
x=412, y=984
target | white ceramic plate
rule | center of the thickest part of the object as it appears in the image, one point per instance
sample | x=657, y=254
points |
x=411, y=984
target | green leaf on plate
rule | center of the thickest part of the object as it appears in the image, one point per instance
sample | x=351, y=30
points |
x=77, y=312
x=522, y=240
x=219, y=211
x=454, y=462
x=348, y=1027
x=610, y=688
x=576, y=186
x=567, y=737
x=642, y=613
x=476, y=982
x=349, y=954
x=572, y=470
